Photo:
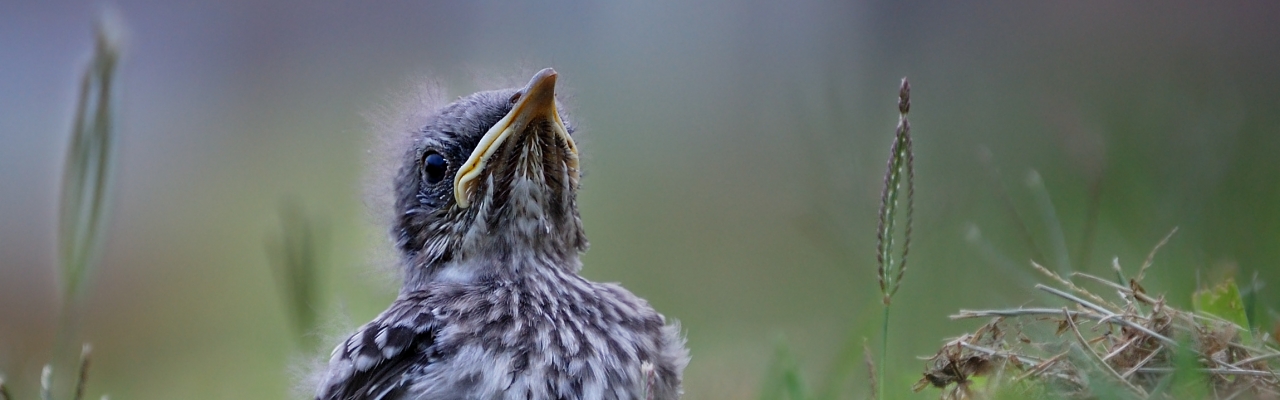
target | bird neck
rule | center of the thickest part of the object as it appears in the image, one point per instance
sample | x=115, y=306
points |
x=476, y=269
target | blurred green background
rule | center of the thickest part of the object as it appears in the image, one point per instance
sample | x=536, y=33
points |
x=733, y=153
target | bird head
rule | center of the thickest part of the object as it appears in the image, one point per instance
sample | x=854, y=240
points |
x=489, y=181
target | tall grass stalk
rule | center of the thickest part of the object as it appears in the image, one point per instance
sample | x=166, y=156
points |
x=900, y=170
x=86, y=184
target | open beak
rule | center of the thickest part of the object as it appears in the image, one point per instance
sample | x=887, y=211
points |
x=537, y=102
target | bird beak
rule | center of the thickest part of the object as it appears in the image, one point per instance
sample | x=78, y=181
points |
x=537, y=102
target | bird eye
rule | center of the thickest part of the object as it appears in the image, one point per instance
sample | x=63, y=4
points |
x=433, y=167
x=515, y=97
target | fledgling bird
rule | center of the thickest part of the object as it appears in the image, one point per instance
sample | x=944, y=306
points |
x=492, y=307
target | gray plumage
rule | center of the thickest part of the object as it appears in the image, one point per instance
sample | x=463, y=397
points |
x=492, y=306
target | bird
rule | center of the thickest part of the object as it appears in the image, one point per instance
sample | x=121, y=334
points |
x=489, y=236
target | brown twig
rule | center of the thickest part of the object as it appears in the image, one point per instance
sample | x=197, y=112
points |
x=1096, y=357
x=1125, y=290
x=1121, y=348
x=84, y=371
x=1143, y=362
x=1152, y=255
x=1070, y=284
x=1041, y=367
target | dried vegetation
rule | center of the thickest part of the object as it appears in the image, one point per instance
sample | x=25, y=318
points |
x=1134, y=345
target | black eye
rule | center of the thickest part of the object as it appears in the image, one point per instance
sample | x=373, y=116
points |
x=433, y=167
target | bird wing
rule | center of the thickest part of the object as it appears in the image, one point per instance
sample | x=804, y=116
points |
x=378, y=361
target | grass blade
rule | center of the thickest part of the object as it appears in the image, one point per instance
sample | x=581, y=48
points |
x=296, y=258
x=87, y=175
x=83, y=202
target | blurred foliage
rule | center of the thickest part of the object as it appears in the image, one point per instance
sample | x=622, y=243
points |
x=87, y=175
x=783, y=379
x=85, y=199
x=1223, y=301
x=296, y=257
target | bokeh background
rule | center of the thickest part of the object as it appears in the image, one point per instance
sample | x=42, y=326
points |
x=734, y=152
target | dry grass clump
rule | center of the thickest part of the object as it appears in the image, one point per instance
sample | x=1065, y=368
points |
x=1136, y=346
